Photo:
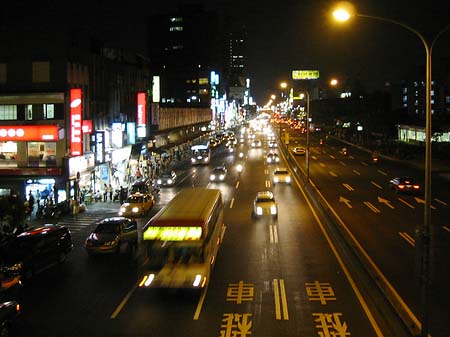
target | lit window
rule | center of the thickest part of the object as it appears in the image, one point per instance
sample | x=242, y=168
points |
x=176, y=29
x=432, y=92
x=29, y=112
x=416, y=102
x=405, y=98
x=203, y=81
x=405, y=90
x=8, y=112
x=49, y=111
x=177, y=19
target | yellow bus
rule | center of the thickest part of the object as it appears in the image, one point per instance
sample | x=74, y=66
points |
x=182, y=240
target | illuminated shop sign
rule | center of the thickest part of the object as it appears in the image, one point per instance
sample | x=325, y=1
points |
x=28, y=132
x=87, y=126
x=76, y=122
x=156, y=91
x=100, y=146
x=305, y=74
x=141, y=109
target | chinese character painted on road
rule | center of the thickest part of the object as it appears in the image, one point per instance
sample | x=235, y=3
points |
x=322, y=292
x=238, y=292
x=330, y=325
x=236, y=325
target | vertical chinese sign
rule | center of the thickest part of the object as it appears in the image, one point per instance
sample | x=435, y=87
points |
x=141, y=114
x=76, y=122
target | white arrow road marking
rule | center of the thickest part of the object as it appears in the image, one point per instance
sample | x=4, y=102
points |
x=345, y=201
x=386, y=202
x=422, y=201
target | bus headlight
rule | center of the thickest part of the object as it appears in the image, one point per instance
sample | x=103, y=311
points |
x=147, y=280
x=288, y=179
x=259, y=210
x=135, y=209
x=212, y=177
x=275, y=179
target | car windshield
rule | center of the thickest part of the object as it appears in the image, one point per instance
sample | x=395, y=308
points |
x=134, y=199
x=281, y=172
x=108, y=227
x=166, y=175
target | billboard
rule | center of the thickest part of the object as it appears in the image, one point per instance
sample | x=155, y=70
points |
x=28, y=132
x=305, y=74
x=76, y=122
x=141, y=109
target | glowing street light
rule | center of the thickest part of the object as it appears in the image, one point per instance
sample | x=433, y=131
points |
x=334, y=82
x=343, y=12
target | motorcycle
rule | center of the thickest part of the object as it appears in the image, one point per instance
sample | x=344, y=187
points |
x=344, y=151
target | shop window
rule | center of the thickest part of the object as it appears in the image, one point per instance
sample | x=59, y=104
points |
x=29, y=112
x=49, y=111
x=8, y=112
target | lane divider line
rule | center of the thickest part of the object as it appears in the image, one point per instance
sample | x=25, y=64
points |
x=408, y=238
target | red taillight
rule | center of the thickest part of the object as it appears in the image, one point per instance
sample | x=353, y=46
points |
x=401, y=186
x=416, y=187
x=18, y=307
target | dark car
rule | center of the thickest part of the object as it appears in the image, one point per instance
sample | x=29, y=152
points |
x=140, y=186
x=167, y=178
x=111, y=234
x=9, y=311
x=36, y=250
x=404, y=185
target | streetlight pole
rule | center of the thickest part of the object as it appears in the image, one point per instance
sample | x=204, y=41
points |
x=307, y=135
x=425, y=232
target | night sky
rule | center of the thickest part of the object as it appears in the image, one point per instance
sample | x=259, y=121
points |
x=283, y=35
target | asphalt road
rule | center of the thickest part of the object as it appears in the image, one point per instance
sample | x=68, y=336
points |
x=289, y=276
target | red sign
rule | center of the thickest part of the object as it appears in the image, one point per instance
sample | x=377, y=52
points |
x=76, y=123
x=141, y=109
x=28, y=132
x=87, y=125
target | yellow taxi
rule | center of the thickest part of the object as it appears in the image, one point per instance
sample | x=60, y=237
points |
x=136, y=205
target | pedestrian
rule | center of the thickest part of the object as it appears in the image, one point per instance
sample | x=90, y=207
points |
x=105, y=193
x=110, y=191
x=76, y=208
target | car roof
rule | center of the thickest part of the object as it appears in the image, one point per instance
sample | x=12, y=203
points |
x=280, y=169
x=264, y=194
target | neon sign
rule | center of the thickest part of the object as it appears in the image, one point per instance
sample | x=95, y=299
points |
x=76, y=123
x=28, y=132
x=141, y=109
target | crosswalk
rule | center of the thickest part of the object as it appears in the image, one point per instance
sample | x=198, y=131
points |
x=83, y=220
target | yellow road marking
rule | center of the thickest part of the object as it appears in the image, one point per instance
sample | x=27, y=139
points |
x=322, y=164
x=268, y=183
x=446, y=228
x=342, y=163
x=440, y=201
x=347, y=186
x=123, y=302
x=356, y=172
x=333, y=174
x=231, y=202
x=364, y=163
x=382, y=172
x=237, y=184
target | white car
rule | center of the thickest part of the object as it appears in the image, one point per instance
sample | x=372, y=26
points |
x=281, y=175
x=272, y=143
x=272, y=158
x=265, y=204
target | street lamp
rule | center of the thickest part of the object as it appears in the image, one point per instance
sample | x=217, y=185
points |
x=307, y=133
x=343, y=12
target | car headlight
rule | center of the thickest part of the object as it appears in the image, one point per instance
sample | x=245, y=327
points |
x=159, y=181
x=212, y=177
x=199, y=280
x=123, y=209
x=273, y=209
x=135, y=209
x=205, y=159
x=269, y=160
x=193, y=160
x=259, y=210
x=169, y=181
x=276, y=179
x=277, y=159
x=288, y=179
x=222, y=177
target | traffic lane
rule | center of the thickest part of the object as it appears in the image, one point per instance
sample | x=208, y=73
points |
x=76, y=296
x=259, y=256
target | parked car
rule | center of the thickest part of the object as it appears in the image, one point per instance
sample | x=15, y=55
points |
x=36, y=249
x=9, y=311
x=167, y=178
x=111, y=235
x=219, y=173
x=281, y=175
x=265, y=204
x=299, y=151
x=136, y=204
x=404, y=185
